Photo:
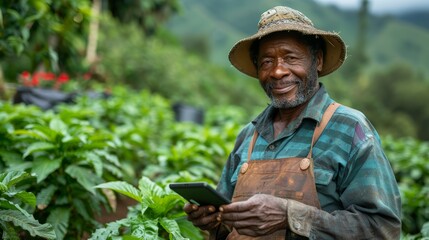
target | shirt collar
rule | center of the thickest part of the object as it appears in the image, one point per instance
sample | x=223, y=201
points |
x=317, y=105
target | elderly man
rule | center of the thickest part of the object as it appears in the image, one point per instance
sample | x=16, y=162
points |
x=306, y=167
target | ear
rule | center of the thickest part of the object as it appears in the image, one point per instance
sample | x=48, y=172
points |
x=319, y=61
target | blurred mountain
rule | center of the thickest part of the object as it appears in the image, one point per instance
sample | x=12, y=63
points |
x=419, y=18
x=391, y=38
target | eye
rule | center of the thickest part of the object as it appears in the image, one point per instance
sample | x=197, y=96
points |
x=290, y=58
x=265, y=63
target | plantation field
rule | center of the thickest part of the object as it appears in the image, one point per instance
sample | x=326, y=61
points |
x=60, y=168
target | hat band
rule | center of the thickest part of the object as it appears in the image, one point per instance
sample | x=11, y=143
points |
x=281, y=21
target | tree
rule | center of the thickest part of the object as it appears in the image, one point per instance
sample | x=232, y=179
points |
x=358, y=56
x=53, y=34
x=43, y=34
x=149, y=14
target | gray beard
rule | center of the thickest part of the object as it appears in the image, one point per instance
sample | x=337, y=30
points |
x=304, y=93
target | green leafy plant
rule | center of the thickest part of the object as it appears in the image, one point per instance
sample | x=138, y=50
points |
x=410, y=159
x=157, y=215
x=14, y=202
x=139, y=122
x=94, y=141
x=68, y=157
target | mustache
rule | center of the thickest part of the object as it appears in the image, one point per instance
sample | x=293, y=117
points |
x=282, y=83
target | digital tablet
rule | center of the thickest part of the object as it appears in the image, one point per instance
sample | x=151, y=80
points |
x=199, y=193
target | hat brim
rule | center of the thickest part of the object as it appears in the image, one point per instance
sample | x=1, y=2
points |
x=335, y=49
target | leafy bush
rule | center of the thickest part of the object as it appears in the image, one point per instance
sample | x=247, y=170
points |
x=14, y=203
x=133, y=135
x=410, y=160
x=139, y=123
x=74, y=147
x=157, y=214
x=67, y=160
x=200, y=150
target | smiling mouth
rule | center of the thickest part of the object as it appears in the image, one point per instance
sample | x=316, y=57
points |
x=284, y=89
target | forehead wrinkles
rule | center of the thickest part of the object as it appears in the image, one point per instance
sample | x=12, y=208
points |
x=284, y=44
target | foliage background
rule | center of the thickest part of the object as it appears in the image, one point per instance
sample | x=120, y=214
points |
x=177, y=50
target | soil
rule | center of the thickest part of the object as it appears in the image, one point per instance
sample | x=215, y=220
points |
x=120, y=213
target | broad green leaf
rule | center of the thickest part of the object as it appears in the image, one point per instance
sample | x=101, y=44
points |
x=148, y=229
x=95, y=160
x=81, y=207
x=111, y=158
x=6, y=204
x=42, y=167
x=15, y=206
x=188, y=230
x=37, y=147
x=73, y=141
x=46, y=132
x=11, y=178
x=10, y=158
x=59, y=219
x=44, y=197
x=20, y=167
x=85, y=177
x=111, y=230
x=26, y=197
x=34, y=134
x=10, y=232
x=122, y=188
x=28, y=223
x=118, y=172
x=3, y=187
x=57, y=125
x=163, y=205
x=172, y=228
x=150, y=188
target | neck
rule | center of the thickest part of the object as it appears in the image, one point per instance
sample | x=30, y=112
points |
x=287, y=115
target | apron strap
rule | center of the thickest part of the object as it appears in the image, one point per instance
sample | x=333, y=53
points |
x=322, y=124
x=252, y=144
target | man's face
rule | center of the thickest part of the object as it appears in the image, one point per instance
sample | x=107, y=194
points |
x=286, y=69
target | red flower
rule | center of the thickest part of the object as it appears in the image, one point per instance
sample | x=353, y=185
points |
x=35, y=80
x=25, y=75
x=25, y=78
x=46, y=76
x=63, y=78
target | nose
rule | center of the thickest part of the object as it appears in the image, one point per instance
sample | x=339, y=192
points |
x=280, y=69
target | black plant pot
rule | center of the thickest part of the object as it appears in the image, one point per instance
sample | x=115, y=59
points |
x=187, y=113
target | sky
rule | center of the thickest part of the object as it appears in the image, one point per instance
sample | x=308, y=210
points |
x=381, y=6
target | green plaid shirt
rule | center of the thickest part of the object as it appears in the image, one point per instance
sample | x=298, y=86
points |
x=356, y=186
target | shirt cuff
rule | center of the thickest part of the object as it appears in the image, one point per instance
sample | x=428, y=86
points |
x=300, y=217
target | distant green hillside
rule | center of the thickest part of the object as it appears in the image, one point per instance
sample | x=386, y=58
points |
x=403, y=43
x=223, y=22
x=418, y=18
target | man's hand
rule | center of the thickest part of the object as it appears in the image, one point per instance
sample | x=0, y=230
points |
x=203, y=217
x=260, y=215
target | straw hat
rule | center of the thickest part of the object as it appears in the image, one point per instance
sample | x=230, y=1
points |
x=282, y=18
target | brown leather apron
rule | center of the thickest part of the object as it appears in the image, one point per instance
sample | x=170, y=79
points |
x=289, y=178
